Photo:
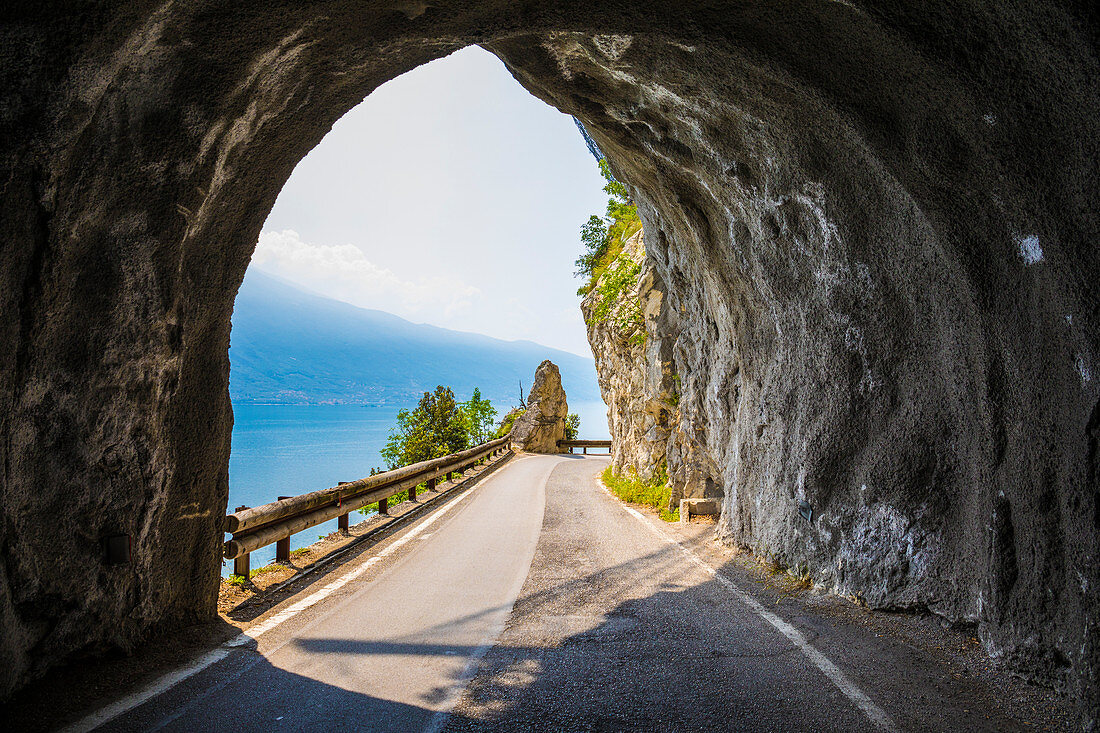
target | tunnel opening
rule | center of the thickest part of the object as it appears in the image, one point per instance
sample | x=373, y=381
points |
x=873, y=230
x=427, y=240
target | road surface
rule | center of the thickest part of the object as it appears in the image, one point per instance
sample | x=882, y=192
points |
x=536, y=601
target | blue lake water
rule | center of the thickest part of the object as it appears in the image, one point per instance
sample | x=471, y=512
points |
x=283, y=450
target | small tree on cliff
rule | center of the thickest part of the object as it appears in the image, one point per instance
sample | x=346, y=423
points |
x=603, y=237
x=436, y=427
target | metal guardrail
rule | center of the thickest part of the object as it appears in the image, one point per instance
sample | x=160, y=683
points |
x=256, y=527
x=584, y=444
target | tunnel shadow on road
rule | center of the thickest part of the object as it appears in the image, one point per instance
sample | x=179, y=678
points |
x=248, y=693
x=682, y=653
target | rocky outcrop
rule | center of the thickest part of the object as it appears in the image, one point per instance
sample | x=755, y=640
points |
x=873, y=226
x=542, y=424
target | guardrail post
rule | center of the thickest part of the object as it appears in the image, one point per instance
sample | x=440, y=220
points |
x=342, y=520
x=241, y=564
x=412, y=493
x=282, y=547
x=383, y=506
x=431, y=484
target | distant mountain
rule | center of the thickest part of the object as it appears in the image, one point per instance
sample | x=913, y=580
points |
x=293, y=347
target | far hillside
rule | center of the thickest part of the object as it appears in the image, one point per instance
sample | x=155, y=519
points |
x=294, y=347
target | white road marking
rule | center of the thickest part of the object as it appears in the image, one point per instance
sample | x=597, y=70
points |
x=873, y=712
x=166, y=682
x=170, y=680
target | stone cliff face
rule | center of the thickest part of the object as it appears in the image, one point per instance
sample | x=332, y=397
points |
x=638, y=381
x=873, y=227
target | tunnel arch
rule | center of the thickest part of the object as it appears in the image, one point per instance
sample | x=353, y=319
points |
x=888, y=213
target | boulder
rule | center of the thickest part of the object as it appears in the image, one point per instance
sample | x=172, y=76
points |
x=540, y=428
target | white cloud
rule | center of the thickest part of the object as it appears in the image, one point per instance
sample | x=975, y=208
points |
x=344, y=272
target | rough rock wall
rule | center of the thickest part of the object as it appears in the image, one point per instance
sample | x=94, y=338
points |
x=638, y=381
x=637, y=385
x=542, y=424
x=874, y=224
x=875, y=307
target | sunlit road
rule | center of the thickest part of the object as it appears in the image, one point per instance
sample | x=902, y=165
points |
x=536, y=601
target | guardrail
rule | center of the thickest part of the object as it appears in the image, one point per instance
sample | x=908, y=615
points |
x=584, y=444
x=256, y=527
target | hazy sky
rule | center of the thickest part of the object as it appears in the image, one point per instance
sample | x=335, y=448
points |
x=450, y=196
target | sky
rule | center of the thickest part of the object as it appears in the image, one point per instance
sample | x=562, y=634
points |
x=449, y=196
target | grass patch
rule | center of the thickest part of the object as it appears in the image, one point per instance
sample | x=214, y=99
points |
x=299, y=551
x=237, y=580
x=655, y=493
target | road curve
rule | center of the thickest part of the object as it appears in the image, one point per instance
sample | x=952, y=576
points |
x=386, y=651
x=536, y=601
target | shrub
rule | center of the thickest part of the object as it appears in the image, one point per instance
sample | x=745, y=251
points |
x=508, y=421
x=655, y=493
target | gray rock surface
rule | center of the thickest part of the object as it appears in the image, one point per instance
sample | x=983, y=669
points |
x=874, y=226
x=542, y=424
x=651, y=434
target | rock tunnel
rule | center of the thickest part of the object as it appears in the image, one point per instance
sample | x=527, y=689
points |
x=874, y=226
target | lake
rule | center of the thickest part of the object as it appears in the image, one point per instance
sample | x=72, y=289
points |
x=283, y=450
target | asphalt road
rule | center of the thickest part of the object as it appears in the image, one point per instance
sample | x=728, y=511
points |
x=536, y=601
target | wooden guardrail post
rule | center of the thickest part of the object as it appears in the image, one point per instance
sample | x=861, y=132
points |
x=240, y=564
x=383, y=506
x=282, y=547
x=431, y=484
x=342, y=520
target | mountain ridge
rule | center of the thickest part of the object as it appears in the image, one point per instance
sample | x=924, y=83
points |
x=293, y=346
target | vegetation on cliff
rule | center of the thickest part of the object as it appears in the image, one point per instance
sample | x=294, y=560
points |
x=611, y=270
x=604, y=237
x=508, y=421
x=617, y=302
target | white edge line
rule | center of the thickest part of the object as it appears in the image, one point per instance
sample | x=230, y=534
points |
x=860, y=699
x=115, y=709
x=166, y=682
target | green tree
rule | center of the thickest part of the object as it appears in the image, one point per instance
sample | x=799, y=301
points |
x=572, y=426
x=436, y=427
x=595, y=240
x=480, y=417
